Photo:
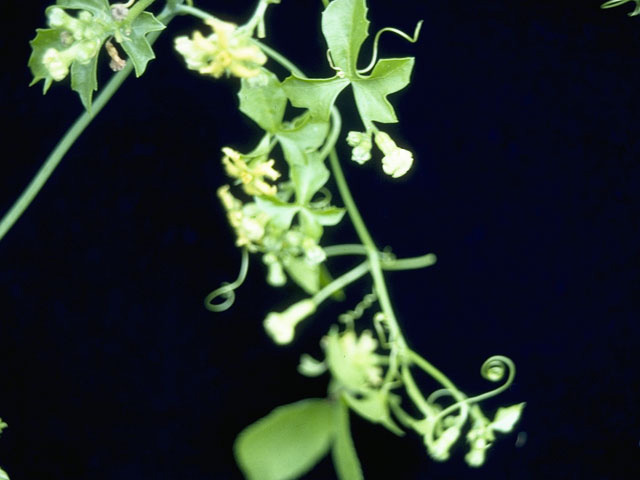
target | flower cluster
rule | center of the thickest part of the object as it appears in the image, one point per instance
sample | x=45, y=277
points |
x=82, y=37
x=227, y=50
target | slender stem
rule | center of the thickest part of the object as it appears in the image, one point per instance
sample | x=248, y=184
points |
x=341, y=282
x=139, y=7
x=346, y=249
x=194, y=12
x=60, y=150
x=409, y=263
x=63, y=146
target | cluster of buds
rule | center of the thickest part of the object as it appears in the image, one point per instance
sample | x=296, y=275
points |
x=251, y=172
x=82, y=37
x=247, y=220
x=227, y=50
x=396, y=161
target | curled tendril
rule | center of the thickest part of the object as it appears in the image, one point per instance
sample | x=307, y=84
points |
x=350, y=316
x=494, y=370
x=324, y=200
x=227, y=290
x=617, y=3
x=374, y=56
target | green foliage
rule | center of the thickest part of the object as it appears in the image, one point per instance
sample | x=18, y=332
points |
x=288, y=442
x=278, y=205
x=345, y=28
x=73, y=43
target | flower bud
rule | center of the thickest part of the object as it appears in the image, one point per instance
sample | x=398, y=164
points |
x=281, y=326
x=396, y=161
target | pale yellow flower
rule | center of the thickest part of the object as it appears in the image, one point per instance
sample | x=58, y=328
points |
x=251, y=174
x=226, y=50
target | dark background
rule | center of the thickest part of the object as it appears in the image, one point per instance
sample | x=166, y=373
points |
x=524, y=118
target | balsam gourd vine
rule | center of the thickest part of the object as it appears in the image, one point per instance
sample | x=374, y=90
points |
x=278, y=206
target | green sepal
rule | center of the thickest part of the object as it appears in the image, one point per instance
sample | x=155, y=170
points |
x=345, y=28
x=135, y=43
x=45, y=39
x=345, y=457
x=306, y=275
x=388, y=76
x=316, y=94
x=84, y=80
x=263, y=100
x=288, y=442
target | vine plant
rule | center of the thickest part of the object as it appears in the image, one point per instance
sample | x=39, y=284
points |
x=278, y=206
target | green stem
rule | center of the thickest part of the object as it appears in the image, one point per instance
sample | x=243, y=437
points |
x=409, y=263
x=63, y=146
x=341, y=282
x=194, y=12
x=137, y=8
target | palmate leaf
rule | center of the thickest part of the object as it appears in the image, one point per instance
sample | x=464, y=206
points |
x=288, y=442
x=345, y=27
x=135, y=42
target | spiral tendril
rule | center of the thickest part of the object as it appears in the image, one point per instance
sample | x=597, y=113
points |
x=493, y=369
x=227, y=290
x=351, y=315
x=324, y=200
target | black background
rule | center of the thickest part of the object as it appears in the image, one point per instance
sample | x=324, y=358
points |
x=524, y=118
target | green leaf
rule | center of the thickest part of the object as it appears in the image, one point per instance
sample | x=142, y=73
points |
x=308, y=179
x=345, y=458
x=3, y=475
x=135, y=43
x=345, y=27
x=263, y=100
x=288, y=442
x=307, y=276
x=388, y=76
x=45, y=39
x=318, y=95
x=84, y=80
x=281, y=213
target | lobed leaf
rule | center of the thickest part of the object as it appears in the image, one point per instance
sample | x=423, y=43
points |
x=135, y=42
x=286, y=443
x=316, y=94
